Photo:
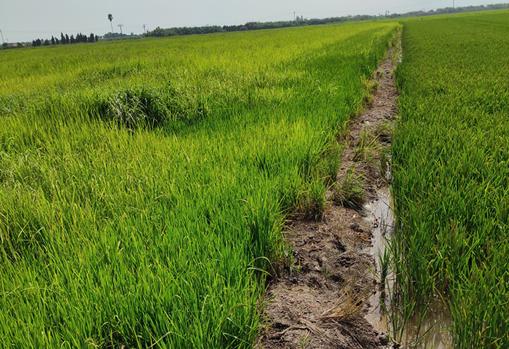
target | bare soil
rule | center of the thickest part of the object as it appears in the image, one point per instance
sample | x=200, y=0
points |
x=322, y=300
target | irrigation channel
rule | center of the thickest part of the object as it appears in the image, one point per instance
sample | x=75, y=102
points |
x=337, y=292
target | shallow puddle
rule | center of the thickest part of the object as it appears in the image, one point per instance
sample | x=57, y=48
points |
x=430, y=332
x=379, y=215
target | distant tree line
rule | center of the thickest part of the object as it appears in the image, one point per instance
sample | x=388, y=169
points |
x=65, y=39
x=447, y=10
x=301, y=21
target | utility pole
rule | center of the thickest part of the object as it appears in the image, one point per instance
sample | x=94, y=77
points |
x=294, y=17
x=120, y=26
x=144, y=28
x=2, y=35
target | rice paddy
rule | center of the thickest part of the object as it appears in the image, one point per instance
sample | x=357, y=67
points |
x=144, y=184
x=451, y=172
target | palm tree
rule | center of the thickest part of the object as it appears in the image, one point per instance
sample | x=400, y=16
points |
x=110, y=17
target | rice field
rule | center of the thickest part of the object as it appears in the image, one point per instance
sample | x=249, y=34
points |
x=451, y=174
x=144, y=184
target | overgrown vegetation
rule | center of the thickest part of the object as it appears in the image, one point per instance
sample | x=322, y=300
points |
x=349, y=190
x=451, y=174
x=143, y=190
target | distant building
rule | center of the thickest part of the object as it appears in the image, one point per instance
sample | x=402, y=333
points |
x=13, y=44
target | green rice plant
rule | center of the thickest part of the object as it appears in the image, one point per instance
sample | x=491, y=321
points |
x=312, y=202
x=451, y=174
x=143, y=184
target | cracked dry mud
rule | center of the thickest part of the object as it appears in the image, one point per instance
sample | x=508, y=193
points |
x=322, y=300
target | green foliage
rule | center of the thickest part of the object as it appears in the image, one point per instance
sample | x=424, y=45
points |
x=367, y=148
x=138, y=213
x=143, y=107
x=136, y=108
x=312, y=201
x=349, y=190
x=451, y=173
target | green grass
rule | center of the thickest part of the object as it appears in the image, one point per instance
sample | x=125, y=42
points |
x=451, y=173
x=143, y=184
x=349, y=191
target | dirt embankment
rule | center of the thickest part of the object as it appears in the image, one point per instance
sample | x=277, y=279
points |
x=323, y=299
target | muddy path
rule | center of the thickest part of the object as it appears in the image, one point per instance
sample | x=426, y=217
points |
x=324, y=300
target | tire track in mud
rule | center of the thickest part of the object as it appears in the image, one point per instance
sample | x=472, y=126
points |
x=323, y=299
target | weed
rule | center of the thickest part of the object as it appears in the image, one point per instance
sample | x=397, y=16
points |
x=134, y=108
x=349, y=190
x=367, y=148
x=384, y=131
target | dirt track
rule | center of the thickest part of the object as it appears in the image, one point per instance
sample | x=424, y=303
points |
x=322, y=301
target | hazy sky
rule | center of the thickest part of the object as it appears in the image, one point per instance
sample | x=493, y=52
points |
x=27, y=19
